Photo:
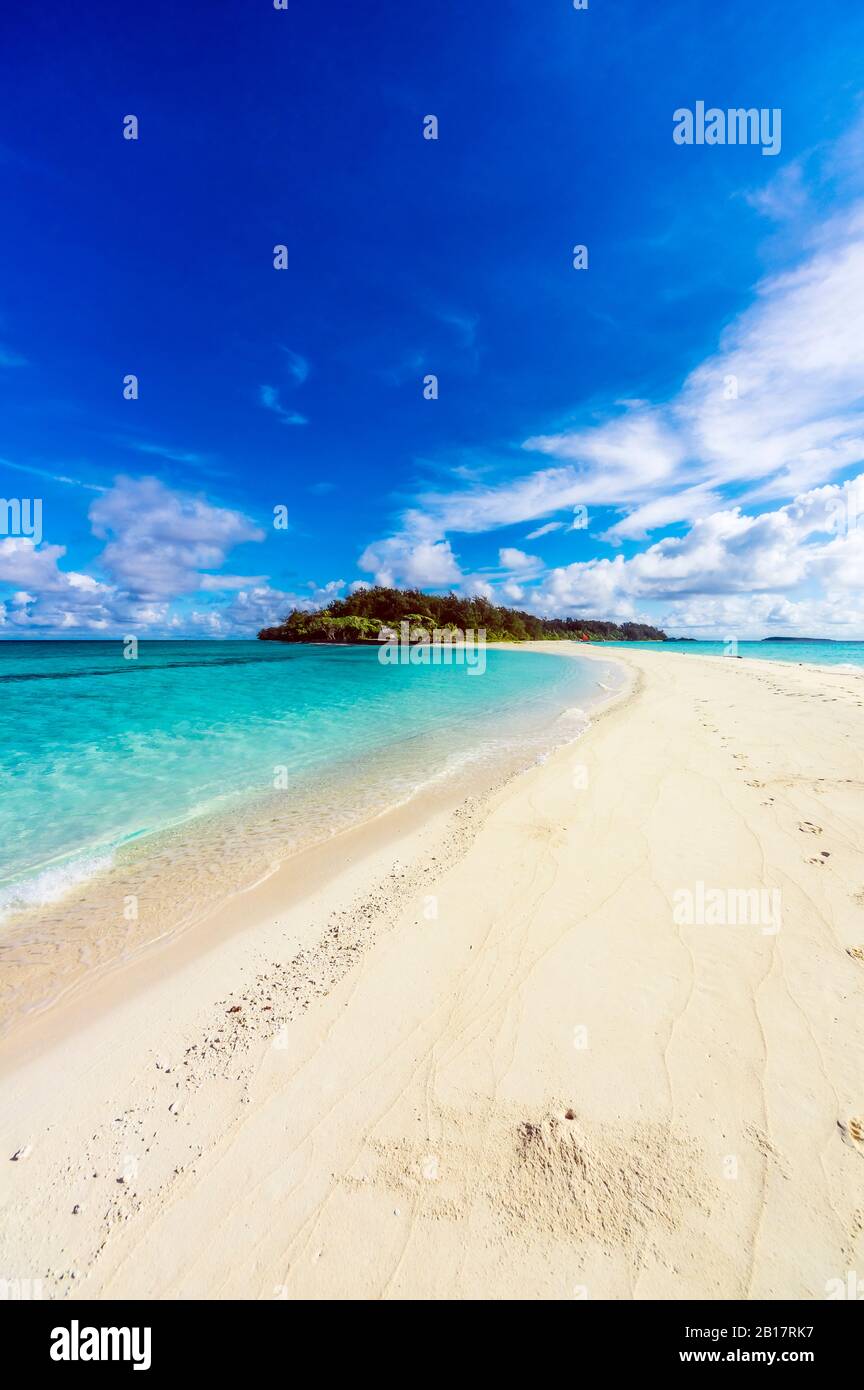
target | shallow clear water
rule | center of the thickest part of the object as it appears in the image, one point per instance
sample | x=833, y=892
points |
x=817, y=653
x=97, y=751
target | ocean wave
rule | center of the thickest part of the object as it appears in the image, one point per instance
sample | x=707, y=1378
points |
x=51, y=884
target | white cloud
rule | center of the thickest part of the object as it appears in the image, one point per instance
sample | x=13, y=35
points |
x=633, y=454
x=298, y=367
x=766, y=615
x=513, y=559
x=22, y=563
x=160, y=540
x=476, y=586
x=512, y=591
x=262, y=606
x=780, y=405
x=687, y=505
x=545, y=530
x=413, y=558
x=159, y=544
x=215, y=583
x=775, y=412
x=783, y=197
x=268, y=396
x=777, y=408
x=163, y=451
x=816, y=540
x=59, y=599
x=51, y=477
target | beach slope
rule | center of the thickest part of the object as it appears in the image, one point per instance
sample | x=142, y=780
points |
x=601, y=1037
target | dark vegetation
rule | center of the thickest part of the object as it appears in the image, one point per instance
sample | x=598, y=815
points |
x=361, y=616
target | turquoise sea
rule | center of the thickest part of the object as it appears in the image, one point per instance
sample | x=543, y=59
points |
x=100, y=755
x=818, y=653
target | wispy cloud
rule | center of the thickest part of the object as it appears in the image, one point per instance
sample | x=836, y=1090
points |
x=465, y=329
x=50, y=476
x=202, y=464
x=783, y=197
x=162, y=451
x=545, y=530
x=268, y=396
x=298, y=366
x=775, y=412
x=779, y=406
x=410, y=365
x=463, y=325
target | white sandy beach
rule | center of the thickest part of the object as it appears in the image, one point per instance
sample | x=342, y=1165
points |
x=477, y=1056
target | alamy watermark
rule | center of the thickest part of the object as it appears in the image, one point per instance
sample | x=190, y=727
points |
x=737, y=126
x=20, y=1290
x=21, y=516
x=851, y=1287
x=413, y=645
x=729, y=907
x=845, y=511
x=77, y=1343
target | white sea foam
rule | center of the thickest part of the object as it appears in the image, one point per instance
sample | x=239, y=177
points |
x=51, y=884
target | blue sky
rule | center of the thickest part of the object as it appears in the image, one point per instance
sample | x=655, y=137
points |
x=604, y=388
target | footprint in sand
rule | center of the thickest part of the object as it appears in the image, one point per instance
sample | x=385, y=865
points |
x=808, y=828
x=852, y=1132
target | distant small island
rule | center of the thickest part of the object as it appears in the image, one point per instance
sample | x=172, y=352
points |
x=362, y=616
